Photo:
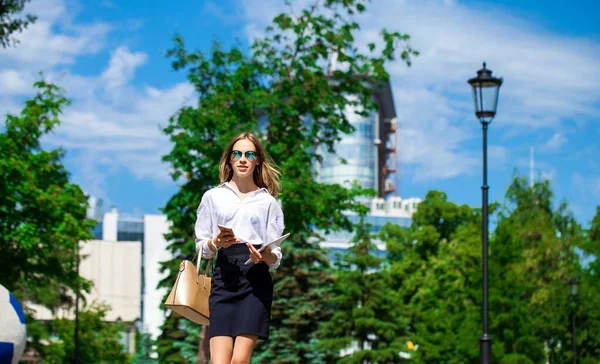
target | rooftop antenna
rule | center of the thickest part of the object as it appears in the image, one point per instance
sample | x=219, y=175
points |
x=531, y=166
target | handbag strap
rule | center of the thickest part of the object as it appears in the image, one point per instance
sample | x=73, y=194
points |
x=199, y=262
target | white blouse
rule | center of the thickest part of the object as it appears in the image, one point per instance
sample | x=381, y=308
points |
x=257, y=219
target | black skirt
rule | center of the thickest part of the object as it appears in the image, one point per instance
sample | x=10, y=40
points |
x=240, y=295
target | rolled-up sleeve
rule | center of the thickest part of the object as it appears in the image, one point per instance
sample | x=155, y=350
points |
x=275, y=229
x=203, y=228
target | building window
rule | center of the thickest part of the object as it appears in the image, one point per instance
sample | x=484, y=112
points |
x=130, y=236
x=97, y=230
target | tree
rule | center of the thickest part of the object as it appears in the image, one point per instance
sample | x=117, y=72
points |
x=435, y=269
x=42, y=215
x=366, y=315
x=284, y=81
x=200, y=135
x=188, y=346
x=532, y=259
x=143, y=349
x=8, y=24
x=584, y=304
x=99, y=340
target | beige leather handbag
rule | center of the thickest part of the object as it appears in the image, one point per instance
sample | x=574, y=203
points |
x=189, y=295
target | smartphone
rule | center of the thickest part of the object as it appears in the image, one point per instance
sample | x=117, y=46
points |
x=225, y=229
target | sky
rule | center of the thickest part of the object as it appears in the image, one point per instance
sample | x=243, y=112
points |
x=109, y=56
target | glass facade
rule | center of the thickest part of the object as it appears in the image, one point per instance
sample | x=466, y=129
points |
x=97, y=230
x=130, y=230
x=127, y=230
x=358, y=149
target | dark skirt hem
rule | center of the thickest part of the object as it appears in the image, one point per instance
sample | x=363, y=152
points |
x=235, y=334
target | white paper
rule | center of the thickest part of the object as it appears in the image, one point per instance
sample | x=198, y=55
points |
x=276, y=242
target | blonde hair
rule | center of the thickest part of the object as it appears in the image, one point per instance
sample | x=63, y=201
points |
x=265, y=175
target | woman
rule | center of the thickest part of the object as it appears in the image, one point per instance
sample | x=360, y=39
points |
x=241, y=295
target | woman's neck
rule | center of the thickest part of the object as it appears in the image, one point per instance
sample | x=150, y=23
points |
x=243, y=185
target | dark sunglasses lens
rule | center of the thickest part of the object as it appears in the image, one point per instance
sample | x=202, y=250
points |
x=251, y=155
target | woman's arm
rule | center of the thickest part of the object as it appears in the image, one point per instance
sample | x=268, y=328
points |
x=203, y=230
x=274, y=231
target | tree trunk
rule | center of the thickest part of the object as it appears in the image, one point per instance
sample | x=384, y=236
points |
x=204, y=346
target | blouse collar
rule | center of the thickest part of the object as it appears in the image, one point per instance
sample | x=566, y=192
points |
x=226, y=184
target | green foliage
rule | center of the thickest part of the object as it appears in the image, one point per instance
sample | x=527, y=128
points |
x=9, y=24
x=173, y=331
x=365, y=307
x=436, y=220
x=434, y=266
x=42, y=215
x=585, y=302
x=436, y=270
x=188, y=346
x=532, y=259
x=143, y=349
x=283, y=79
x=99, y=340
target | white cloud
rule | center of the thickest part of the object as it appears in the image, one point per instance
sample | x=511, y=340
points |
x=15, y=83
x=128, y=134
x=588, y=187
x=216, y=9
x=497, y=156
x=122, y=67
x=549, y=174
x=42, y=47
x=90, y=176
x=107, y=4
x=111, y=125
x=555, y=142
x=586, y=194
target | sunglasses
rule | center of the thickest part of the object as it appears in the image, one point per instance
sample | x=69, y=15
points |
x=250, y=155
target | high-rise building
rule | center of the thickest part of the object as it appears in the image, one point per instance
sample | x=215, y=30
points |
x=369, y=152
x=370, y=156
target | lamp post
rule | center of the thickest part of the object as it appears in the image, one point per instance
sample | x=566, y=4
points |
x=573, y=285
x=485, y=96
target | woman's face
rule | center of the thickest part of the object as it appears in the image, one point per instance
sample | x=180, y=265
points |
x=243, y=158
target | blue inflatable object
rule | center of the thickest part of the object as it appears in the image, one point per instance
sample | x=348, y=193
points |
x=13, y=334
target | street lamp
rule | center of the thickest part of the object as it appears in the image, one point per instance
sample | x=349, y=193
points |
x=573, y=285
x=485, y=96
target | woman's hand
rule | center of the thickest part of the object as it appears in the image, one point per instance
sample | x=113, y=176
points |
x=225, y=239
x=258, y=257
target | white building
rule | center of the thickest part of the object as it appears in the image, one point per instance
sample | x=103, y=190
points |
x=113, y=267
x=394, y=210
x=149, y=231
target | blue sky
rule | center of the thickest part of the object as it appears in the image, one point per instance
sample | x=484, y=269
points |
x=109, y=56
